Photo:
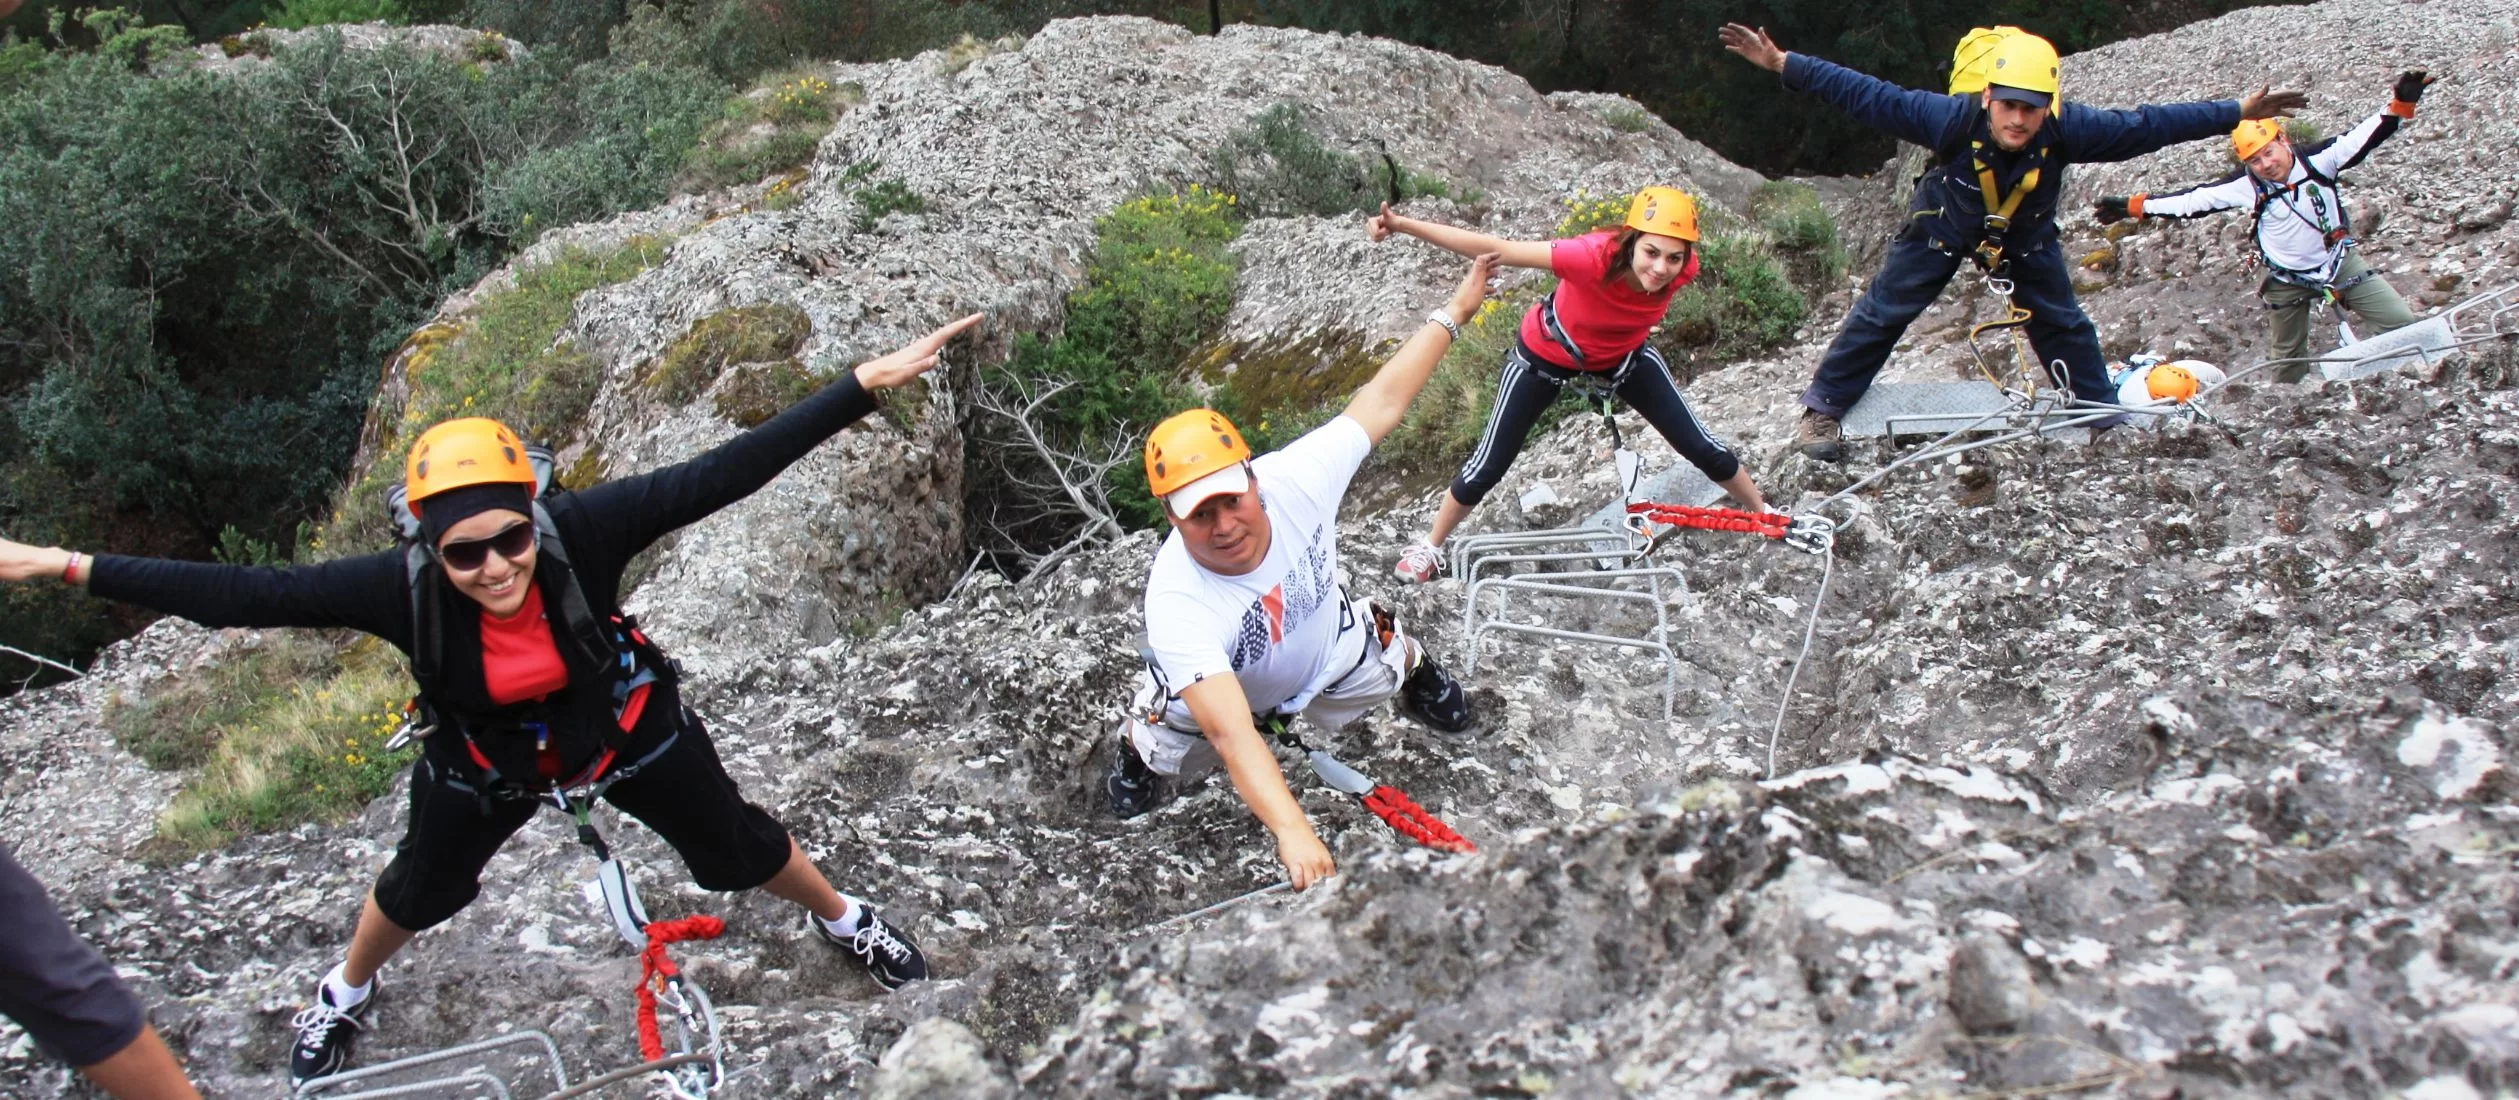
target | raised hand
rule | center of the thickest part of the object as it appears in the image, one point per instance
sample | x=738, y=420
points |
x=912, y=360
x=1474, y=286
x=2268, y=103
x=2112, y=209
x=1753, y=45
x=2411, y=83
x=1378, y=227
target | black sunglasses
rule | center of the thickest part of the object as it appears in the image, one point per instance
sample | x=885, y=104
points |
x=511, y=543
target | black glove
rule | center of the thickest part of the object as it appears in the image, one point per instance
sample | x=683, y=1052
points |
x=2410, y=85
x=2112, y=209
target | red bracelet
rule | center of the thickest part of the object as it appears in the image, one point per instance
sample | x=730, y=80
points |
x=70, y=571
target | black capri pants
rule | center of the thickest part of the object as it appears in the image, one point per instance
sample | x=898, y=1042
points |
x=52, y=983
x=684, y=794
x=1530, y=384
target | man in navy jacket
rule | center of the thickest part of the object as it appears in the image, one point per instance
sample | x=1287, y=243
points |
x=2014, y=138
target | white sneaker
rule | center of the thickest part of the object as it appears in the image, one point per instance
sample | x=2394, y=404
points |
x=1419, y=563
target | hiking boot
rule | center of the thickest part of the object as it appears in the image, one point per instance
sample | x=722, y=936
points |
x=1131, y=783
x=324, y=1033
x=888, y=954
x=1820, y=437
x=1419, y=564
x=1432, y=696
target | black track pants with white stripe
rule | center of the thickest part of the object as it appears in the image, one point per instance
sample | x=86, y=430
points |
x=1529, y=385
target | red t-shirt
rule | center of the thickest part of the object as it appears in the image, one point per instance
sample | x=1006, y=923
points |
x=519, y=657
x=1607, y=318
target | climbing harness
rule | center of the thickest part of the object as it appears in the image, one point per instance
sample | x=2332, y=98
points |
x=1395, y=808
x=1999, y=211
x=693, y=1070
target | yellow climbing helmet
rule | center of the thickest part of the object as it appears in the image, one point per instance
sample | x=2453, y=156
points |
x=1667, y=211
x=2027, y=62
x=2253, y=135
x=1192, y=447
x=2171, y=382
x=472, y=451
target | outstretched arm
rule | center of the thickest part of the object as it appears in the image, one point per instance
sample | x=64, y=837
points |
x=1903, y=113
x=1379, y=406
x=364, y=593
x=1224, y=712
x=2231, y=192
x=1467, y=242
x=636, y=511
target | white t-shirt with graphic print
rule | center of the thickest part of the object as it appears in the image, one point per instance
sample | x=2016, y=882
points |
x=1277, y=627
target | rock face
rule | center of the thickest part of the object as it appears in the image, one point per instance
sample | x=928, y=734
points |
x=2174, y=765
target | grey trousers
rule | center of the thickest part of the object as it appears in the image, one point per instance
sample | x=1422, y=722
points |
x=2374, y=303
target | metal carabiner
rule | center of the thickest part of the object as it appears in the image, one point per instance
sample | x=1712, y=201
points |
x=1811, y=534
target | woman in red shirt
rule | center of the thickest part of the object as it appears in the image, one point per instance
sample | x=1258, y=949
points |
x=1615, y=285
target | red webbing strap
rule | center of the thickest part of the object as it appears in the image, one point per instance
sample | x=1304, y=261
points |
x=1404, y=814
x=1774, y=525
x=655, y=966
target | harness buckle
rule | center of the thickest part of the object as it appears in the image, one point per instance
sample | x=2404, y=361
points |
x=1997, y=223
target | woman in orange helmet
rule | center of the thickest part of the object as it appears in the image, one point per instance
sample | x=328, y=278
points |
x=509, y=607
x=1616, y=285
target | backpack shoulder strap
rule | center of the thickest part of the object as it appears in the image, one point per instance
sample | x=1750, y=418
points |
x=428, y=634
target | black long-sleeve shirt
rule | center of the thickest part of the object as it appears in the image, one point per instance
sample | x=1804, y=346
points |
x=601, y=527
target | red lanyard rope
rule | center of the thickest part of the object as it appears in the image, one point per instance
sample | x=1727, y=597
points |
x=1774, y=525
x=655, y=968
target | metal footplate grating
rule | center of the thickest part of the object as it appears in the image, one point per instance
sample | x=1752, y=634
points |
x=1892, y=410
x=1922, y=408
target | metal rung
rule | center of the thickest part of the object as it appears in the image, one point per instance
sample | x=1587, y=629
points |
x=1921, y=408
x=2424, y=341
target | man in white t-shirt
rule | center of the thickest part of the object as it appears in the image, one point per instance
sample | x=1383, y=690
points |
x=1245, y=617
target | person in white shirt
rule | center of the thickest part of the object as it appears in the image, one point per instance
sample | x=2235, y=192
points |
x=1246, y=620
x=2303, y=234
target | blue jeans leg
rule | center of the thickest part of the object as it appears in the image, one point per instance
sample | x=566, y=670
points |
x=2058, y=329
x=1908, y=282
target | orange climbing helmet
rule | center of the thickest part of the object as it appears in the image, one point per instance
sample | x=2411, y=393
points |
x=472, y=451
x=1195, y=455
x=2254, y=135
x=1667, y=211
x=2171, y=382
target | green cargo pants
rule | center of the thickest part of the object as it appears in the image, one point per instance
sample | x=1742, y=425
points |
x=2374, y=304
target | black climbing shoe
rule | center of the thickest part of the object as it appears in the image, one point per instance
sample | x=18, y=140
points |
x=888, y=954
x=1820, y=436
x=1433, y=697
x=324, y=1033
x=1131, y=783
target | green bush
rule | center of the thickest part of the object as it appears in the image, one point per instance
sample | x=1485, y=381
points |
x=1742, y=301
x=1802, y=232
x=1280, y=167
x=1159, y=286
x=1628, y=120
x=746, y=334
x=881, y=198
x=301, y=14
